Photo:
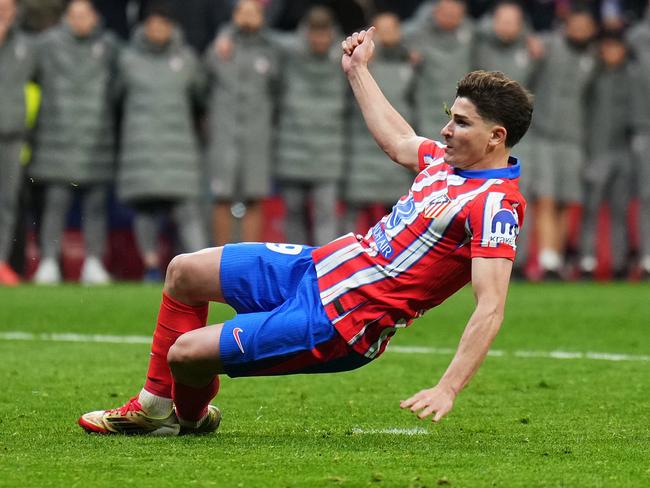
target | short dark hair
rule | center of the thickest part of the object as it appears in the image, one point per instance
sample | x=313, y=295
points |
x=499, y=99
x=160, y=8
x=319, y=17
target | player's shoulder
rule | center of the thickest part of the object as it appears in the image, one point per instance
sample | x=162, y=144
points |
x=431, y=153
x=504, y=195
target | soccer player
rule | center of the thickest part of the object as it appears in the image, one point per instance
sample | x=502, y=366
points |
x=334, y=308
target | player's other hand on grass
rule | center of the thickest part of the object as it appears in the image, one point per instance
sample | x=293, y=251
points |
x=436, y=401
x=358, y=48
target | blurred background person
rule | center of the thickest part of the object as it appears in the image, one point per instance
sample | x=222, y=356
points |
x=159, y=78
x=243, y=87
x=557, y=138
x=372, y=182
x=198, y=19
x=74, y=143
x=39, y=15
x=444, y=42
x=17, y=61
x=608, y=170
x=504, y=43
x=639, y=40
x=311, y=129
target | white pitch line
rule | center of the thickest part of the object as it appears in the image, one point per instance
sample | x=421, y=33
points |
x=601, y=356
x=69, y=337
x=442, y=351
x=393, y=431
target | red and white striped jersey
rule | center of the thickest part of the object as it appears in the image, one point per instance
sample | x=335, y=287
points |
x=419, y=254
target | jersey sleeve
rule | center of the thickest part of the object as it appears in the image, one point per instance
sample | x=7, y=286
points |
x=493, y=224
x=430, y=153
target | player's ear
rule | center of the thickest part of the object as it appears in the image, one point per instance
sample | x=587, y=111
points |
x=498, y=135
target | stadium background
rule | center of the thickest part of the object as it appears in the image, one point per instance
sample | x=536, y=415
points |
x=201, y=20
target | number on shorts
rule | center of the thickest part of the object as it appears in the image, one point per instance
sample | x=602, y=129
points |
x=290, y=249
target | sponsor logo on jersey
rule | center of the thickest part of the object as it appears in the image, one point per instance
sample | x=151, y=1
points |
x=381, y=240
x=235, y=332
x=504, y=228
x=403, y=210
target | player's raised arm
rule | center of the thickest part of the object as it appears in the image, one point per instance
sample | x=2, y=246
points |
x=490, y=277
x=393, y=134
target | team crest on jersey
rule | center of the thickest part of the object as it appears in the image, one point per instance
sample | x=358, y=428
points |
x=504, y=228
x=437, y=207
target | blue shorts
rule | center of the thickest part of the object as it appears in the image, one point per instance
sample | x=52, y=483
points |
x=280, y=326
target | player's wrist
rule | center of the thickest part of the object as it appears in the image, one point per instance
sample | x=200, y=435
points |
x=449, y=388
x=357, y=69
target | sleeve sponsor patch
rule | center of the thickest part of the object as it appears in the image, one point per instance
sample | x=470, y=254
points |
x=503, y=229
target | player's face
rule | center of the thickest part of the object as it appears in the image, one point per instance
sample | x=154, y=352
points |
x=388, y=29
x=612, y=52
x=248, y=15
x=7, y=12
x=580, y=28
x=320, y=40
x=82, y=18
x=448, y=14
x=469, y=138
x=508, y=22
x=158, y=30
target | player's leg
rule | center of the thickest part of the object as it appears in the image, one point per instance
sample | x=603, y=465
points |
x=597, y=175
x=325, y=222
x=10, y=182
x=192, y=281
x=545, y=190
x=619, y=204
x=145, y=228
x=642, y=152
x=95, y=213
x=262, y=276
x=570, y=193
x=251, y=226
x=58, y=199
x=294, y=195
x=222, y=221
x=187, y=217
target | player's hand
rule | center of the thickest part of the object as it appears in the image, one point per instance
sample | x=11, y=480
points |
x=436, y=401
x=224, y=47
x=357, y=49
x=535, y=47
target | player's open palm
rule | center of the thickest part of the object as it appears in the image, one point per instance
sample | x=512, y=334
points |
x=358, y=48
x=436, y=401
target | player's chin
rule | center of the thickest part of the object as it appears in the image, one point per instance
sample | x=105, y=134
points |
x=450, y=159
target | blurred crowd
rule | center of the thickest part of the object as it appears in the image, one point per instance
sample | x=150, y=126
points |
x=198, y=111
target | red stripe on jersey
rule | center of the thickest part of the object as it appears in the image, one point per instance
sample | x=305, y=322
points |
x=419, y=254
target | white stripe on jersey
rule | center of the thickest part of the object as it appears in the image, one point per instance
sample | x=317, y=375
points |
x=409, y=256
x=336, y=258
x=492, y=206
x=428, y=180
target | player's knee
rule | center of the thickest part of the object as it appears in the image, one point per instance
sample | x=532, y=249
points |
x=181, y=354
x=178, y=279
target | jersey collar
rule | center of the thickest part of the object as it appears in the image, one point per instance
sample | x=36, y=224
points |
x=510, y=172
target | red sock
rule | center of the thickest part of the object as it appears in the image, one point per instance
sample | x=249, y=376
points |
x=174, y=319
x=192, y=403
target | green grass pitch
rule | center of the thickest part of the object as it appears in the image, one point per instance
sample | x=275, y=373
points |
x=529, y=418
